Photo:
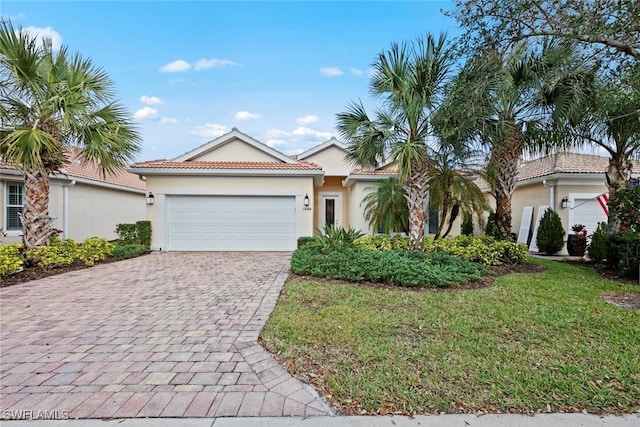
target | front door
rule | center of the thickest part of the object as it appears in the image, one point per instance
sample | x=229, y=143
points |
x=330, y=212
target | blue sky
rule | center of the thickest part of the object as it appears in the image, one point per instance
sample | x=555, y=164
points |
x=190, y=71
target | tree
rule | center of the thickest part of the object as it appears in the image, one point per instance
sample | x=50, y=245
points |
x=50, y=102
x=508, y=103
x=606, y=26
x=550, y=237
x=409, y=78
x=386, y=208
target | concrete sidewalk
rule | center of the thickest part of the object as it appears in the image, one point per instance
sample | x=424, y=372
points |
x=457, y=420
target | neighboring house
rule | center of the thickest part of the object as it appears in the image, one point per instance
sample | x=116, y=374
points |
x=82, y=202
x=569, y=183
x=236, y=193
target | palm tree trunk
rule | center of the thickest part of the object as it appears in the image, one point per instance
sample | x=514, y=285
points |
x=455, y=211
x=618, y=172
x=417, y=187
x=37, y=226
x=505, y=155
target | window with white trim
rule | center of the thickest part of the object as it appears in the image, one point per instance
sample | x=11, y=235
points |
x=14, y=201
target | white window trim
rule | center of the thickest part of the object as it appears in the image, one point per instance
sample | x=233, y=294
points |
x=10, y=233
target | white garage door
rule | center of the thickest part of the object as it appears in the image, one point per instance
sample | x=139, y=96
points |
x=589, y=213
x=231, y=223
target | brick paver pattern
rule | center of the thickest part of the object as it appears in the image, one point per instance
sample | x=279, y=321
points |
x=168, y=335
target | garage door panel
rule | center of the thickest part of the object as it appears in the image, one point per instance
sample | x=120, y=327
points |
x=231, y=223
x=589, y=213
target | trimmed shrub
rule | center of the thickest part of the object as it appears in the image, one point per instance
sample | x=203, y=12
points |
x=305, y=240
x=134, y=234
x=623, y=252
x=57, y=253
x=598, y=246
x=550, y=237
x=11, y=260
x=399, y=268
x=381, y=242
x=144, y=233
x=485, y=250
x=94, y=249
x=129, y=251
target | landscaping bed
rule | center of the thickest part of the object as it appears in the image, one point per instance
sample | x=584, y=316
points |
x=531, y=342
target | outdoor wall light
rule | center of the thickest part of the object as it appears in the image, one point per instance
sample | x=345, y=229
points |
x=306, y=200
x=150, y=199
x=564, y=204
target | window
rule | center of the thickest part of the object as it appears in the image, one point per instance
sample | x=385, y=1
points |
x=14, y=202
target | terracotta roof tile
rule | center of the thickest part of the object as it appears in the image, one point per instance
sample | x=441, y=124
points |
x=194, y=164
x=378, y=172
x=565, y=163
x=76, y=168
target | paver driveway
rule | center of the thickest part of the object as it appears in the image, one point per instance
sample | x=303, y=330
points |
x=170, y=335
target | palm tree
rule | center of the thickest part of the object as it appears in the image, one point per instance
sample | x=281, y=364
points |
x=49, y=102
x=409, y=78
x=508, y=103
x=386, y=208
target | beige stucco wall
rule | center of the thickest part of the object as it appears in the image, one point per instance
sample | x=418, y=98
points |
x=237, y=151
x=332, y=184
x=93, y=210
x=534, y=195
x=163, y=186
x=332, y=160
x=355, y=195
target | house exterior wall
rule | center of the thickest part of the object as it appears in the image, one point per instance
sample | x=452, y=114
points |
x=534, y=195
x=236, y=151
x=163, y=186
x=356, y=193
x=332, y=160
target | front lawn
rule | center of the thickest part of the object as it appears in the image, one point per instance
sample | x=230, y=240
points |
x=531, y=342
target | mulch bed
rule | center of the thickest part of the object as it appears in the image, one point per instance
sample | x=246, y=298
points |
x=35, y=272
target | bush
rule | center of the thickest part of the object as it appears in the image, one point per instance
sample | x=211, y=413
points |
x=467, y=225
x=57, y=253
x=305, y=240
x=144, y=233
x=381, y=242
x=94, y=249
x=399, y=268
x=598, y=246
x=550, y=237
x=490, y=229
x=135, y=234
x=485, y=250
x=623, y=252
x=11, y=260
x=128, y=251
x=330, y=238
x=625, y=203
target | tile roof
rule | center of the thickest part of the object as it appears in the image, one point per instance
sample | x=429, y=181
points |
x=89, y=170
x=565, y=163
x=194, y=164
x=378, y=172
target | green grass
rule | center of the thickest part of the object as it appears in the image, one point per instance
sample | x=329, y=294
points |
x=531, y=342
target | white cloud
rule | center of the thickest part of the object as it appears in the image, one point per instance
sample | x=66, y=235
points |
x=204, y=64
x=246, y=115
x=146, y=113
x=175, y=66
x=168, y=120
x=305, y=120
x=277, y=134
x=210, y=130
x=295, y=151
x=275, y=142
x=45, y=33
x=331, y=71
x=356, y=71
x=305, y=131
x=151, y=100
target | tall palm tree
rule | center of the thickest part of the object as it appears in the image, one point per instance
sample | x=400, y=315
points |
x=508, y=103
x=51, y=101
x=409, y=78
x=386, y=208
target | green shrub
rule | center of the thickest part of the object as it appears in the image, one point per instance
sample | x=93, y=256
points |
x=598, y=246
x=467, y=225
x=144, y=233
x=399, y=267
x=331, y=238
x=57, y=253
x=94, y=249
x=490, y=229
x=623, y=252
x=550, y=237
x=381, y=242
x=128, y=251
x=135, y=234
x=626, y=203
x=485, y=250
x=11, y=260
x=305, y=240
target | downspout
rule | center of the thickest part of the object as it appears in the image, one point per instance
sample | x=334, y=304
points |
x=65, y=208
x=552, y=194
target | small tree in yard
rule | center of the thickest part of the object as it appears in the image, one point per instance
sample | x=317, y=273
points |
x=550, y=233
